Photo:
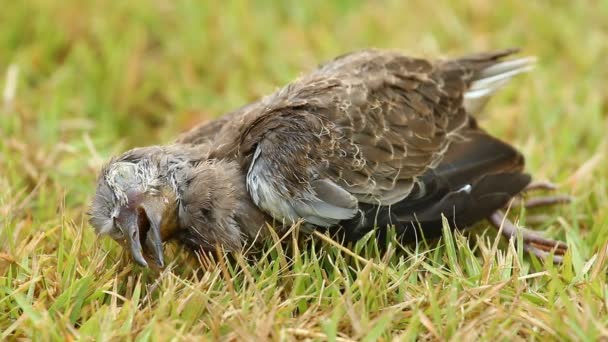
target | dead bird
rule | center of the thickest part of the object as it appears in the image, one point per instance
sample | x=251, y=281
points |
x=368, y=139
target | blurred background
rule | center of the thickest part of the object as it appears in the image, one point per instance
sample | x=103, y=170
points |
x=82, y=80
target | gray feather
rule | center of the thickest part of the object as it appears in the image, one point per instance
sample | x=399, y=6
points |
x=330, y=193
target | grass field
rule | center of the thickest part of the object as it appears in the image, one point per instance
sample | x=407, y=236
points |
x=84, y=80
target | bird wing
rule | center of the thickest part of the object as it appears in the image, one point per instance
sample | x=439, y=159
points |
x=478, y=175
x=360, y=129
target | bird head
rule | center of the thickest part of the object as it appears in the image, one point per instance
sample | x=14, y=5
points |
x=149, y=195
x=135, y=203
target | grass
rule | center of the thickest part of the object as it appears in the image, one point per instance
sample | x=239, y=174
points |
x=83, y=80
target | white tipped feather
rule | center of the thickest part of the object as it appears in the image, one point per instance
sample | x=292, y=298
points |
x=493, y=78
x=520, y=65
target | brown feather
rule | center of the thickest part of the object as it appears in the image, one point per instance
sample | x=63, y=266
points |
x=364, y=120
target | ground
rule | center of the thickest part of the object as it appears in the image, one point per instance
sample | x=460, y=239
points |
x=84, y=80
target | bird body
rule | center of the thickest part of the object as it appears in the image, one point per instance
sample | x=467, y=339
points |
x=368, y=139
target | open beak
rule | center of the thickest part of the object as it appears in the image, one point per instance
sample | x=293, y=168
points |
x=153, y=244
x=142, y=235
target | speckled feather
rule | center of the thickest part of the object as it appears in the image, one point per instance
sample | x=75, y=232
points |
x=368, y=122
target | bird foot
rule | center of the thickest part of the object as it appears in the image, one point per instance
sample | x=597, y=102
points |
x=533, y=242
x=540, y=201
x=541, y=185
x=547, y=201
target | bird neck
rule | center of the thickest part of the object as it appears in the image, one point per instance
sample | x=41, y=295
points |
x=169, y=222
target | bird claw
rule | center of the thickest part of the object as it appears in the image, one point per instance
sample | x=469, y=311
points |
x=533, y=242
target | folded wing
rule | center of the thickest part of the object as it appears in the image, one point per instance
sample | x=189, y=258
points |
x=361, y=131
x=478, y=176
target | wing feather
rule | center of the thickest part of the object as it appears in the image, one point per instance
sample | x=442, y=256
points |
x=360, y=129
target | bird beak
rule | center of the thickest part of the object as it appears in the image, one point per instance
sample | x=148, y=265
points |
x=128, y=221
x=153, y=245
x=142, y=228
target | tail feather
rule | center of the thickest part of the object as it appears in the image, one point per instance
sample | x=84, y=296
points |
x=510, y=67
x=490, y=79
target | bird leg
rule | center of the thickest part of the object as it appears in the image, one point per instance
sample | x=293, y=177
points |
x=533, y=242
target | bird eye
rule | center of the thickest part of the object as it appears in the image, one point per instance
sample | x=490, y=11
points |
x=116, y=233
x=115, y=227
